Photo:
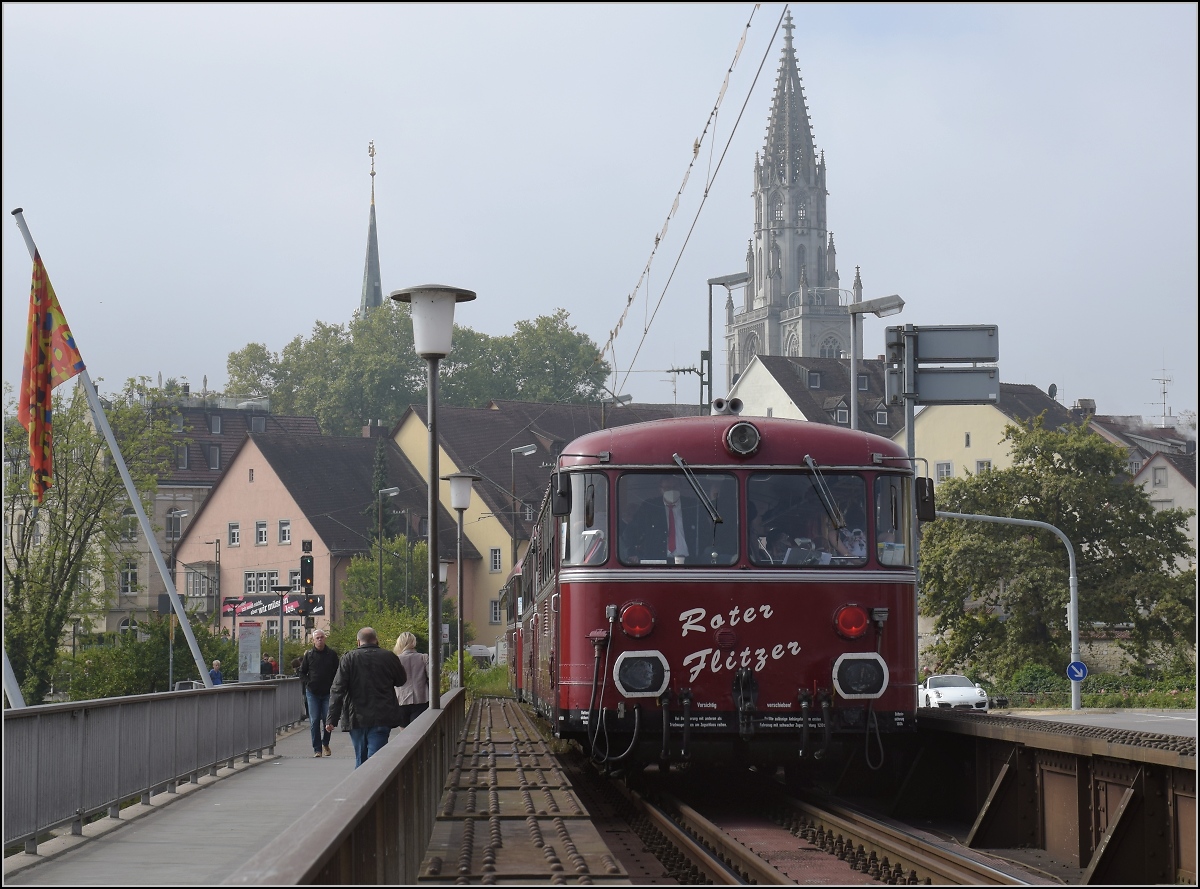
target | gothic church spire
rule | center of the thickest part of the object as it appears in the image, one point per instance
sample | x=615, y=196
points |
x=372, y=288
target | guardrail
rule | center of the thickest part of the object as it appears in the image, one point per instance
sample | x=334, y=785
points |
x=64, y=763
x=374, y=827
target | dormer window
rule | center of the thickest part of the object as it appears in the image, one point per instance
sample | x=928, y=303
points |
x=214, y=424
x=843, y=415
x=177, y=422
x=258, y=424
x=814, y=380
x=862, y=383
x=881, y=418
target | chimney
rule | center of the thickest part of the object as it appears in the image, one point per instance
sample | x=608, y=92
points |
x=373, y=429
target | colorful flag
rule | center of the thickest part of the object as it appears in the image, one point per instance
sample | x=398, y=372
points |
x=50, y=358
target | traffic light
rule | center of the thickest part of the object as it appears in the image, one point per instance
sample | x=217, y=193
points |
x=306, y=574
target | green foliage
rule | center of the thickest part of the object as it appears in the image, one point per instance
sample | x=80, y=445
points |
x=368, y=369
x=1038, y=687
x=136, y=663
x=1000, y=592
x=63, y=564
x=486, y=682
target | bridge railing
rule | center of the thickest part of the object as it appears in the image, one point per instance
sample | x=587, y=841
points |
x=64, y=763
x=374, y=827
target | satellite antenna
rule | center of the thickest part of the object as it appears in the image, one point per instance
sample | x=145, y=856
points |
x=1053, y=391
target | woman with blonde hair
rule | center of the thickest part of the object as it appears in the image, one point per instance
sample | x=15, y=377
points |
x=413, y=695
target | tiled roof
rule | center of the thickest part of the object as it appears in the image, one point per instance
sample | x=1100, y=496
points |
x=235, y=424
x=331, y=480
x=1023, y=402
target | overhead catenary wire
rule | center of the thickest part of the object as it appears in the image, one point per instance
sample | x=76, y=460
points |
x=609, y=345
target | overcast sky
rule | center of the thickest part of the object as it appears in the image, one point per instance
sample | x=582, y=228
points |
x=196, y=176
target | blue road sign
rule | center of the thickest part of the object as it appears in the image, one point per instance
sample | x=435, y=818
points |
x=1077, y=671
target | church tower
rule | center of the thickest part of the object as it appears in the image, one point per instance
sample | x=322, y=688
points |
x=372, y=288
x=793, y=301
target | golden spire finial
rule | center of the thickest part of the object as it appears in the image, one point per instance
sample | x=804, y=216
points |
x=371, y=154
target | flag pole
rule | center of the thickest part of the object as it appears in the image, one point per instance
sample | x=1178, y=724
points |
x=101, y=421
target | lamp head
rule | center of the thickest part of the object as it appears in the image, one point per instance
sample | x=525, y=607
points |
x=460, y=489
x=433, y=315
x=524, y=450
x=443, y=570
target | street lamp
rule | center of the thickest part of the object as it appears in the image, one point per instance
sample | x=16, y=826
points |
x=433, y=333
x=880, y=308
x=281, y=591
x=388, y=492
x=217, y=591
x=443, y=573
x=460, y=500
x=728, y=282
x=524, y=451
x=615, y=401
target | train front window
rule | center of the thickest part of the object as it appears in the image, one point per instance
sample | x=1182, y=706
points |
x=790, y=525
x=893, y=520
x=662, y=521
x=586, y=539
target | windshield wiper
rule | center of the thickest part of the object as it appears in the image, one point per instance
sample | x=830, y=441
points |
x=825, y=495
x=690, y=476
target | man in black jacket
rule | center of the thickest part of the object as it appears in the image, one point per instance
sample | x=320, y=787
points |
x=317, y=669
x=365, y=685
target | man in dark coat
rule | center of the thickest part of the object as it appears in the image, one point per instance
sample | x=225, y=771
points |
x=365, y=686
x=317, y=669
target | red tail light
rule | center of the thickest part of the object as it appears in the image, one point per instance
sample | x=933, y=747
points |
x=637, y=620
x=852, y=621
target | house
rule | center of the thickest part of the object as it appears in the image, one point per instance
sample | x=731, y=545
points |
x=966, y=439
x=817, y=390
x=280, y=490
x=512, y=446
x=1169, y=479
x=207, y=429
x=1139, y=440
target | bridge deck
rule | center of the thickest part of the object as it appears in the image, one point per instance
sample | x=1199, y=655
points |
x=199, y=835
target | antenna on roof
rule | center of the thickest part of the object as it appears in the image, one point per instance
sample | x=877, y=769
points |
x=1167, y=420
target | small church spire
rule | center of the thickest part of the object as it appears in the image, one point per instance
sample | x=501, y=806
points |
x=372, y=288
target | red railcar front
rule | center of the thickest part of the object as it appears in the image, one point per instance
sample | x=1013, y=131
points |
x=724, y=587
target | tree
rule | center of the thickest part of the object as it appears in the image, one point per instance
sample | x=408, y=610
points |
x=369, y=369
x=63, y=564
x=1000, y=592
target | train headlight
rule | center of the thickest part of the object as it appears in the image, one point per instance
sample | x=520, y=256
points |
x=637, y=620
x=851, y=621
x=860, y=675
x=641, y=674
x=742, y=439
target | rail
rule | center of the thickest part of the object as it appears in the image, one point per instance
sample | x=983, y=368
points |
x=374, y=827
x=66, y=763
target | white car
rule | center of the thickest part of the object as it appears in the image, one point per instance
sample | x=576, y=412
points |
x=952, y=693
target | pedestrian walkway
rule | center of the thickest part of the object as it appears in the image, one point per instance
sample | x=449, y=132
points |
x=198, y=836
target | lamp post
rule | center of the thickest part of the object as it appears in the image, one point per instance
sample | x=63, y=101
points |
x=383, y=492
x=728, y=282
x=524, y=451
x=433, y=333
x=443, y=574
x=460, y=500
x=217, y=589
x=880, y=308
x=281, y=591
x=615, y=400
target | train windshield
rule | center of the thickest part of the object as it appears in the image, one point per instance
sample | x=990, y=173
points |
x=790, y=523
x=662, y=521
x=586, y=539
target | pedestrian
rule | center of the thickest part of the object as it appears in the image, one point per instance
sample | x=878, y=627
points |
x=365, y=687
x=413, y=696
x=318, y=666
x=215, y=673
x=264, y=668
x=274, y=667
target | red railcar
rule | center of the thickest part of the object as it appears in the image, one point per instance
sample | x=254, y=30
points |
x=721, y=588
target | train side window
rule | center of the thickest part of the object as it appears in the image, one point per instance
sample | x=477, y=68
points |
x=893, y=521
x=586, y=539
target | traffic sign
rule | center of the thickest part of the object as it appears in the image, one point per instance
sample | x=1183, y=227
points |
x=1077, y=671
x=957, y=343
